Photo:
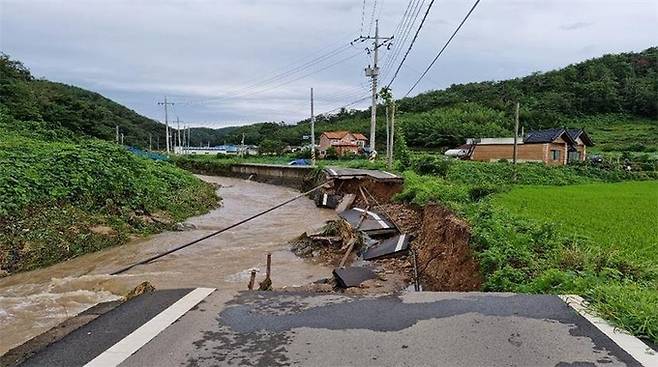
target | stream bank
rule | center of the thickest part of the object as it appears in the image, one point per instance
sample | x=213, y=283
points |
x=35, y=301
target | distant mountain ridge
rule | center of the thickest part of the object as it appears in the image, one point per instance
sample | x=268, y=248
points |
x=598, y=92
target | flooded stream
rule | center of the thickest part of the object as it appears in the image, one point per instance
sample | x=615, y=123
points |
x=33, y=302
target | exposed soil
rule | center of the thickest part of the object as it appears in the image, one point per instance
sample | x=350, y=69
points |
x=382, y=191
x=445, y=259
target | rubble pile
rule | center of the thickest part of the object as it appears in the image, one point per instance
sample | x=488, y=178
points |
x=380, y=246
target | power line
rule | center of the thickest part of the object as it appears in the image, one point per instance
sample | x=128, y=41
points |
x=406, y=31
x=372, y=15
x=280, y=77
x=363, y=14
x=412, y=43
x=444, y=47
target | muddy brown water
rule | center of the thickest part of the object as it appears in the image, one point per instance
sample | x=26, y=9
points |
x=33, y=302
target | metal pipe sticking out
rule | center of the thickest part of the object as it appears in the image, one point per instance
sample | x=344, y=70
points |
x=416, y=283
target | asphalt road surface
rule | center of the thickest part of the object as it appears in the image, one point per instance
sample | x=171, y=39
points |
x=412, y=329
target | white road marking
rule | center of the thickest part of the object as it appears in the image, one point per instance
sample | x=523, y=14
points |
x=333, y=173
x=375, y=217
x=391, y=174
x=400, y=243
x=125, y=347
x=632, y=345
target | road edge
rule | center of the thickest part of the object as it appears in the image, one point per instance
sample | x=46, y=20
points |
x=641, y=352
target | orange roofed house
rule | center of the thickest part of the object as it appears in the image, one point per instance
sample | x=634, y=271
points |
x=557, y=146
x=344, y=142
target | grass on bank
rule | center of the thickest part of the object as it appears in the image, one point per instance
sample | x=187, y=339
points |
x=597, y=240
x=63, y=198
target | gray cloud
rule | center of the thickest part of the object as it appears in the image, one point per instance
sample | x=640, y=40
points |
x=204, y=53
x=575, y=26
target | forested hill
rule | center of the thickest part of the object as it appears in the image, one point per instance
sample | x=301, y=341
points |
x=610, y=95
x=72, y=109
x=620, y=83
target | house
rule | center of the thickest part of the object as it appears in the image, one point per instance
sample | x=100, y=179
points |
x=343, y=141
x=557, y=146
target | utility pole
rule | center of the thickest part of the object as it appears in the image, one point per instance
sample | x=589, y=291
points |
x=516, y=132
x=242, y=146
x=116, y=138
x=312, y=131
x=373, y=73
x=121, y=138
x=150, y=142
x=166, y=104
x=178, y=132
x=390, y=157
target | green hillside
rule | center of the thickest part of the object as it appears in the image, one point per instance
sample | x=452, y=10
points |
x=64, y=190
x=613, y=96
x=65, y=107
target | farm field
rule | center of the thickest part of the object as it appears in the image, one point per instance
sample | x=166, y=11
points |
x=619, y=216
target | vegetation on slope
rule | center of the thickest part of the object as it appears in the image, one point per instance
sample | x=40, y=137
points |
x=607, y=95
x=67, y=108
x=62, y=196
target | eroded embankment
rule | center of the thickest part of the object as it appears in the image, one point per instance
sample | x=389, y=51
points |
x=444, y=259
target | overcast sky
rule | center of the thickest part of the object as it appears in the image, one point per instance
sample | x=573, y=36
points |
x=214, y=58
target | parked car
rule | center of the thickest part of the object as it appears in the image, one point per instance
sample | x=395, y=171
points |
x=299, y=162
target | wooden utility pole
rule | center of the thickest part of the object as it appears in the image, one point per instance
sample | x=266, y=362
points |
x=390, y=158
x=516, y=132
x=312, y=131
x=388, y=131
x=166, y=104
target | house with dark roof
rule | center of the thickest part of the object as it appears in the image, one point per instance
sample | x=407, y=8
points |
x=557, y=146
x=343, y=142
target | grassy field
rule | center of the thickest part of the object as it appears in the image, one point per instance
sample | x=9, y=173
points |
x=620, y=216
x=598, y=240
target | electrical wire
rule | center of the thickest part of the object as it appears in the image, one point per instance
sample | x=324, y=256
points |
x=444, y=47
x=178, y=248
x=411, y=44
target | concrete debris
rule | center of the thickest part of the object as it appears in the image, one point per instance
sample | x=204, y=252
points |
x=330, y=201
x=352, y=276
x=389, y=247
x=373, y=224
x=345, y=203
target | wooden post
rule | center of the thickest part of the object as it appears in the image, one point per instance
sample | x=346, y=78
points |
x=266, y=284
x=390, y=158
x=516, y=132
x=252, y=280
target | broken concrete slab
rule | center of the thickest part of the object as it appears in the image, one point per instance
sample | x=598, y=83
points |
x=345, y=203
x=389, y=247
x=373, y=224
x=352, y=276
x=330, y=201
x=342, y=173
